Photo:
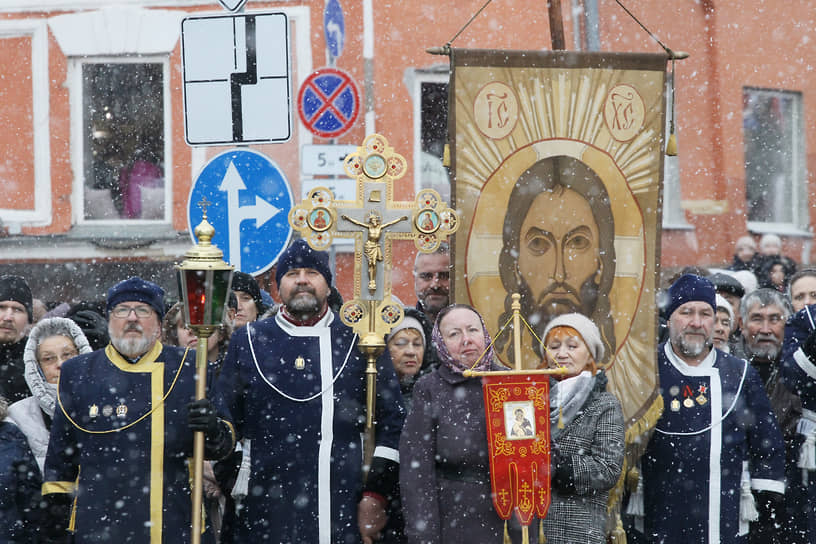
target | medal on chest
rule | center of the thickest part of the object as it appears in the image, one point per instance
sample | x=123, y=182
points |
x=300, y=363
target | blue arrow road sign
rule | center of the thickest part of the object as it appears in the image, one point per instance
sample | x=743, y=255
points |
x=334, y=27
x=250, y=202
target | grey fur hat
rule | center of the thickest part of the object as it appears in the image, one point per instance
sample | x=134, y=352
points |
x=586, y=328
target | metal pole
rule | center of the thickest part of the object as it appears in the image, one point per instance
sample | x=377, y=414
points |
x=198, y=437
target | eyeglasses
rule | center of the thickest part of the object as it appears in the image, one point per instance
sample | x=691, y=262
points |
x=428, y=276
x=122, y=312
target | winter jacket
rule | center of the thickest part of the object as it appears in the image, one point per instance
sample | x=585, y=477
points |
x=591, y=451
x=20, y=481
x=33, y=414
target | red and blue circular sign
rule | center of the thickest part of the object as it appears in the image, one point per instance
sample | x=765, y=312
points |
x=328, y=102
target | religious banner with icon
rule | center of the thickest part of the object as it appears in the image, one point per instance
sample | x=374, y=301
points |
x=557, y=162
x=517, y=408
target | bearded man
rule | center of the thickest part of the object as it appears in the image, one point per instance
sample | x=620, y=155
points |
x=293, y=385
x=717, y=431
x=122, y=416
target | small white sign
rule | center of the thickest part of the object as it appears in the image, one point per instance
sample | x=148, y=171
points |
x=324, y=160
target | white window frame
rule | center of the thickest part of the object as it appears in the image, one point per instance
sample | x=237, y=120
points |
x=414, y=80
x=37, y=31
x=75, y=66
x=798, y=202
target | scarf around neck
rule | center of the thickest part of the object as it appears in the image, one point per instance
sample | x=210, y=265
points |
x=568, y=397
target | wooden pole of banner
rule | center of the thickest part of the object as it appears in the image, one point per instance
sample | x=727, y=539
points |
x=556, y=25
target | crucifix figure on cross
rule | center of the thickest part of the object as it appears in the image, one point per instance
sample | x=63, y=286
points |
x=372, y=249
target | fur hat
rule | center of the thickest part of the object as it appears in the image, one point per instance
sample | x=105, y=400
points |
x=16, y=288
x=301, y=255
x=138, y=290
x=586, y=328
x=691, y=288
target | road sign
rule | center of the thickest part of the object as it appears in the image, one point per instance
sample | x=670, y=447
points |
x=232, y=5
x=328, y=102
x=324, y=160
x=334, y=28
x=251, y=199
x=237, y=79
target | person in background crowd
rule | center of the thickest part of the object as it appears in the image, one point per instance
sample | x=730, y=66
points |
x=745, y=254
x=731, y=290
x=19, y=484
x=16, y=316
x=588, y=443
x=764, y=313
x=249, y=302
x=770, y=247
x=445, y=475
x=802, y=289
x=89, y=318
x=38, y=310
x=51, y=342
x=133, y=486
x=723, y=325
x=717, y=416
x=798, y=368
x=774, y=274
x=432, y=281
x=294, y=385
x=218, y=501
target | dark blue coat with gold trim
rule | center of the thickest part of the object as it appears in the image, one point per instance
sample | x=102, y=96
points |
x=132, y=485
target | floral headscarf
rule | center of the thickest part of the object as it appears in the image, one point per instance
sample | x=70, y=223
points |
x=485, y=363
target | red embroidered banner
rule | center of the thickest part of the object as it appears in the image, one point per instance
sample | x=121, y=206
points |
x=517, y=408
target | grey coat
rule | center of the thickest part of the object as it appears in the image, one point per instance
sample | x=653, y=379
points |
x=591, y=448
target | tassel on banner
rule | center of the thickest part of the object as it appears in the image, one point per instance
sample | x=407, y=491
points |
x=541, y=538
x=506, y=539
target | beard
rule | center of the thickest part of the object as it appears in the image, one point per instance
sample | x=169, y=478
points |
x=303, y=303
x=132, y=347
x=764, y=351
x=690, y=347
x=434, y=308
x=542, y=309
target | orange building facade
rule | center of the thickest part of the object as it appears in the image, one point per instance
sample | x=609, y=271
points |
x=96, y=172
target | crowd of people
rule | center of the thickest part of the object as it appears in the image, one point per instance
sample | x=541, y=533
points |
x=97, y=416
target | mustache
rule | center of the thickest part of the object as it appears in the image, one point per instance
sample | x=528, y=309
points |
x=562, y=288
x=304, y=289
x=133, y=327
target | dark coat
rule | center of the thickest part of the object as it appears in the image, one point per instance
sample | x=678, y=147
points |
x=444, y=464
x=13, y=386
x=591, y=446
x=19, y=486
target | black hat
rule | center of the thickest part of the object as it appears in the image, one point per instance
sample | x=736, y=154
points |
x=725, y=283
x=301, y=255
x=16, y=288
x=241, y=281
x=137, y=289
x=691, y=288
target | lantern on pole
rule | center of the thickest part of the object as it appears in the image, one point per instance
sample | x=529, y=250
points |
x=204, y=281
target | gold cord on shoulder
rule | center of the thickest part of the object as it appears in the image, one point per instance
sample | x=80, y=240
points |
x=132, y=423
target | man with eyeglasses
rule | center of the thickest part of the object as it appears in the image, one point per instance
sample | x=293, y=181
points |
x=122, y=416
x=15, y=321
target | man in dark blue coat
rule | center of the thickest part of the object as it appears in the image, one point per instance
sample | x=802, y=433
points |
x=294, y=385
x=120, y=440
x=717, y=439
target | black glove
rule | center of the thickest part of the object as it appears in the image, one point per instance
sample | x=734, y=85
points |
x=561, y=477
x=55, y=513
x=218, y=441
x=809, y=346
x=201, y=417
x=769, y=506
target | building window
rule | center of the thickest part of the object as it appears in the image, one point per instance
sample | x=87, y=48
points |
x=430, y=91
x=774, y=158
x=123, y=112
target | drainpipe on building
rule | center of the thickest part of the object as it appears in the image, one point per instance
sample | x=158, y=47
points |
x=368, y=64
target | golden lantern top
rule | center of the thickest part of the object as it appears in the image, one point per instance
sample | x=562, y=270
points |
x=204, y=255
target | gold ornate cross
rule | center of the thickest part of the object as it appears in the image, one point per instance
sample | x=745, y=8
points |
x=373, y=220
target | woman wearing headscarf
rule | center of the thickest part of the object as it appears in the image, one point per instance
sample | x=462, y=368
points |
x=586, y=430
x=51, y=342
x=444, y=461
x=408, y=346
